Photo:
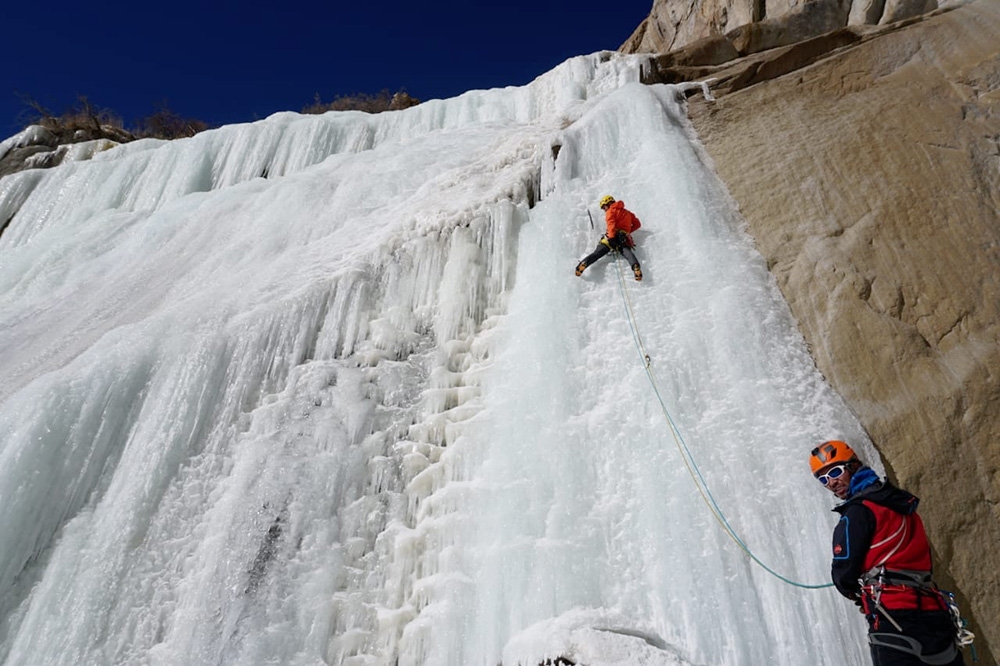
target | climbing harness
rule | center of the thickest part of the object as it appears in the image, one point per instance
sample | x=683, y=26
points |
x=873, y=583
x=686, y=456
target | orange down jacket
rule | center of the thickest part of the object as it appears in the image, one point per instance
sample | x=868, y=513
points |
x=620, y=219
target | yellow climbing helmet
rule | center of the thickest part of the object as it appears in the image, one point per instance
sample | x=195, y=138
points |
x=606, y=200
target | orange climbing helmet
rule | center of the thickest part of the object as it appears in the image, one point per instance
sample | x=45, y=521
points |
x=828, y=454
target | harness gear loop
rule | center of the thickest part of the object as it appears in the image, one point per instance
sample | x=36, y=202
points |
x=872, y=582
x=963, y=635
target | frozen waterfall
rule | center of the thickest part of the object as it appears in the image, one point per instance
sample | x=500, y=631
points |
x=324, y=390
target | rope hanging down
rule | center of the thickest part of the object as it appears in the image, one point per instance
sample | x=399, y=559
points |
x=692, y=467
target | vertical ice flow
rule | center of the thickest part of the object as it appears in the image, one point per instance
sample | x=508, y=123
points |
x=323, y=389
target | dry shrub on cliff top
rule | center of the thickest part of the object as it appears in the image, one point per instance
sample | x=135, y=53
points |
x=84, y=122
x=166, y=124
x=383, y=101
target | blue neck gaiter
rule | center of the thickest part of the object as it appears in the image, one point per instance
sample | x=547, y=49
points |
x=863, y=478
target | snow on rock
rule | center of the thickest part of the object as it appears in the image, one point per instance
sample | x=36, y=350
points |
x=32, y=135
x=591, y=637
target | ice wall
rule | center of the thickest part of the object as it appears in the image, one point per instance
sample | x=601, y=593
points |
x=325, y=390
x=625, y=541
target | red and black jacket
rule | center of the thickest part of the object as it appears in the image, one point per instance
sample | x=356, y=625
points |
x=879, y=527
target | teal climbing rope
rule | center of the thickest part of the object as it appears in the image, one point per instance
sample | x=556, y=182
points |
x=682, y=446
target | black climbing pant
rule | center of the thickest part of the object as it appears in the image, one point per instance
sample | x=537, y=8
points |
x=928, y=638
x=603, y=248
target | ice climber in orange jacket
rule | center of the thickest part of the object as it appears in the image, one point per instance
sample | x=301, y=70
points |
x=621, y=223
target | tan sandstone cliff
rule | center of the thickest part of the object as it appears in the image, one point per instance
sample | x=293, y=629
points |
x=673, y=24
x=866, y=162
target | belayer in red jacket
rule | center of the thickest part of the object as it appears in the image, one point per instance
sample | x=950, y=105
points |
x=621, y=223
x=882, y=562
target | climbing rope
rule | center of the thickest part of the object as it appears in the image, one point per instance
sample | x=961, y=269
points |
x=682, y=447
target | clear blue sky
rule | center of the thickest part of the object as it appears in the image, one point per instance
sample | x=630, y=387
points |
x=227, y=62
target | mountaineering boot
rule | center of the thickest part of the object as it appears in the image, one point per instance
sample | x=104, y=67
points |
x=638, y=272
x=580, y=268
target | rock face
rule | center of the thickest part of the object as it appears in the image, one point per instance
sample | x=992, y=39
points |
x=37, y=147
x=867, y=166
x=756, y=25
